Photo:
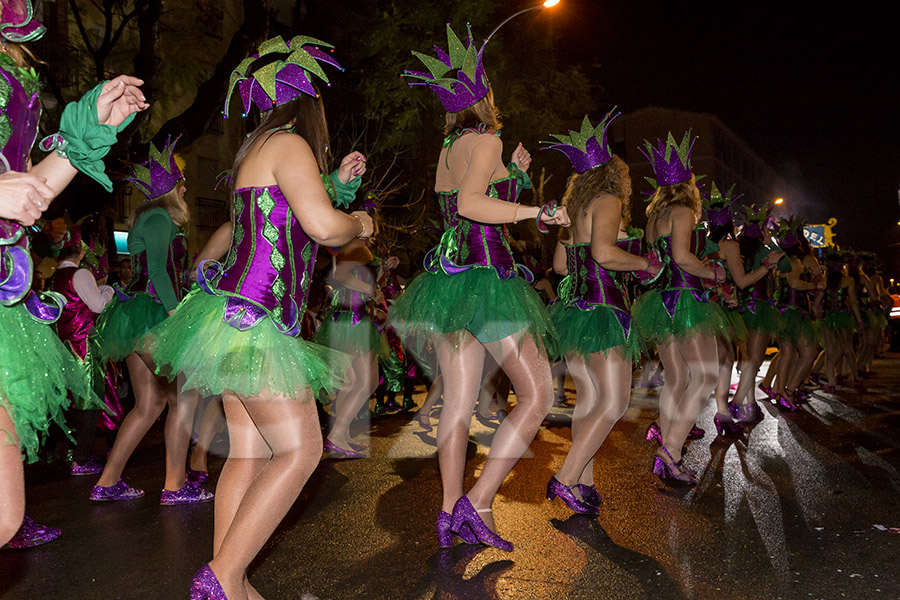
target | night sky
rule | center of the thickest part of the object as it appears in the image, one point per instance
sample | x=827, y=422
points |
x=811, y=87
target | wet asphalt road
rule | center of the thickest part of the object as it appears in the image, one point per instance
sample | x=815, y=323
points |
x=788, y=511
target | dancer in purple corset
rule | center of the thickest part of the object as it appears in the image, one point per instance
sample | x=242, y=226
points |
x=38, y=371
x=238, y=333
x=593, y=314
x=676, y=313
x=158, y=250
x=472, y=298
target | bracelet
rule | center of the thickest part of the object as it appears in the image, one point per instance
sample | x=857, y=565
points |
x=550, y=207
x=362, y=226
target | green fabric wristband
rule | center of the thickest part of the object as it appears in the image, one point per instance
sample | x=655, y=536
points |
x=83, y=140
x=345, y=193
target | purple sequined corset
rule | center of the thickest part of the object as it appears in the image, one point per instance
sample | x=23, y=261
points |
x=356, y=303
x=674, y=280
x=466, y=244
x=589, y=285
x=176, y=263
x=19, y=116
x=76, y=320
x=836, y=300
x=788, y=297
x=269, y=267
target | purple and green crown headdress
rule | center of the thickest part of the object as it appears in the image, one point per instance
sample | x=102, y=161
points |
x=671, y=160
x=456, y=76
x=756, y=220
x=17, y=23
x=588, y=148
x=789, y=232
x=718, y=207
x=279, y=72
x=160, y=174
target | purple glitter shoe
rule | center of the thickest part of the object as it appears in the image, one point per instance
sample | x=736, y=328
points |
x=667, y=471
x=32, y=534
x=654, y=432
x=445, y=536
x=93, y=466
x=338, y=452
x=767, y=391
x=190, y=493
x=205, y=585
x=193, y=476
x=120, y=491
x=786, y=403
x=726, y=425
x=748, y=414
x=555, y=489
x=465, y=514
x=696, y=433
x=590, y=494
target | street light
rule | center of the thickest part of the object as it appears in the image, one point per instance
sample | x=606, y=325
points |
x=545, y=4
x=779, y=201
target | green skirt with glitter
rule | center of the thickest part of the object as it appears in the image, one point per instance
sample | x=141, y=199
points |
x=475, y=300
x=835, y=320
x=875, y=319
x=584, y=332
x=764, y=317
x=739, y=330
x=796, y=325
x=214, y=356
x=122, y=327
x=691, y=318
x=37, y=374
x=342, y=335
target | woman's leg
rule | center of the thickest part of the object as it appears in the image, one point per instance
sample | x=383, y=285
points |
x=12, y=496
x=284, y=443
x=352, y=398
x=150, y=400
x=608, y=387
x=787, y=361
x=772, y=371
x=806, y=354
x=726, y=365
x=210, y=424
x=752, y=357
x=179, y=424
x=435, y=391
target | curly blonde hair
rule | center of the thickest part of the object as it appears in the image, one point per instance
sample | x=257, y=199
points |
x=611, y=178
x=680, y=194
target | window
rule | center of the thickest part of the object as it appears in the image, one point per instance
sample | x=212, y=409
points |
x=212, y=213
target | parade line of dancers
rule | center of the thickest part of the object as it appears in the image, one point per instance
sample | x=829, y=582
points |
x=709, y=282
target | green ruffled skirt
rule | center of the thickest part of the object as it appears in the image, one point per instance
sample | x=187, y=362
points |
x=875, y=319
x=796, y=325
x=739, y=330
x=691, y=318
x=214, y=356
x=475, y=300
x=37, y=374
x=342, y=335
x=121, y=327
x=764, y=318
x=838, y=320
x=584, y=332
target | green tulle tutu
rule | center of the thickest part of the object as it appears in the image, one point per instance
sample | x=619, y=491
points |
x=475, y=300
x=38, y=372
x=739, y=330
x=764, y=318
x=122, y=325
x=796, y=325
x=584, y=332
x=837, y=320
x=214, y=356
x=875, y=319
x=692, y=317
x=342, y=335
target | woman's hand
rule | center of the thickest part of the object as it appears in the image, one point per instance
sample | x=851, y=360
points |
x=521, y=157
x=120, y=98
x=23, y=197
x=392, y=263
x=353, y=165
x=560, y=217
x=771, y=259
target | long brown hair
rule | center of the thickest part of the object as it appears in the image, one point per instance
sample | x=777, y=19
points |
x=20, y=54
x=680, y=194
x=171, y=202
x=611, y=178
x=305, y=115
x=481, y=113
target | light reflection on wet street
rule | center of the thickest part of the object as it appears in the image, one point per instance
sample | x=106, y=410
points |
x=786, y=511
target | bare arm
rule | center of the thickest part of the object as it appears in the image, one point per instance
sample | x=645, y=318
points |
x=793, y=277
x=741, y=278
x=605, y=213
x=560, y=265
x=350, y=257
x=57, y=171
x=682, y=220
x=218, y=245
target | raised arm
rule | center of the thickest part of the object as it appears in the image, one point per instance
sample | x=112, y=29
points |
x=731, y=250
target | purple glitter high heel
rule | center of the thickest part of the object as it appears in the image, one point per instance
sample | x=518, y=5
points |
x=196, y=476
x=190, y=493
x=465, y=514
x=696, y=433
x=786, y=403
x=120, y=491
x=590, y=494
x=92, y=466
x=726, y=425
x=445, y=536
x=205, y=585
x=667, y=471
x=555, y=489
x=338, y=452
x=769, y=392
x=32, y=534
x=654, y=432
x=748, y=414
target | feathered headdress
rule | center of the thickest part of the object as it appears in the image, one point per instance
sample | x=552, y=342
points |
x=756, y=220
x=718, y=207
x=17, y=22
x=587, y=148
x=160, y=174
x=789, y=232
x=279, y=72
x=456, y=76
x=671, y=161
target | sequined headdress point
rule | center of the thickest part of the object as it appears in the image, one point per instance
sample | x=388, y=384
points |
x=719, y=207
x=756, y=219
x=588, y=148
x=671, y=160
x=17, y=23
x=456, y=76
x=160, y=174
x=279, y=72
x=789, y=232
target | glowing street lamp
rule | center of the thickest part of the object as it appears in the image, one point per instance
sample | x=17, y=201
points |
x=779, y=201
x=545, y=4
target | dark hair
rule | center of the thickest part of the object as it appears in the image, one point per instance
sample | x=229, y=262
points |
x=68, y=252
x=308, y=117
x=718, y=233
x=749, y=247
